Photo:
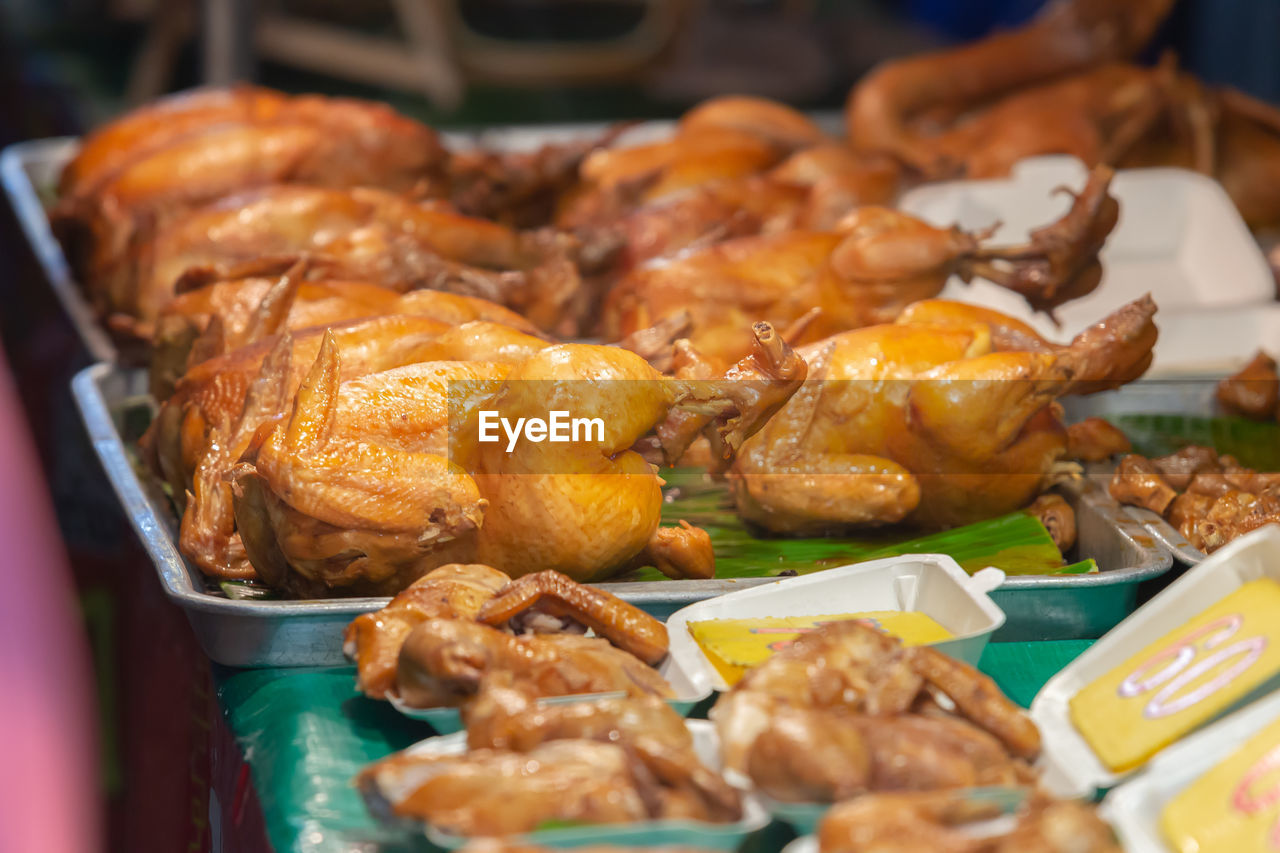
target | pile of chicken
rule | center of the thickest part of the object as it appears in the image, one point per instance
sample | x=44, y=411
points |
x=620, y=757
x=437, y=642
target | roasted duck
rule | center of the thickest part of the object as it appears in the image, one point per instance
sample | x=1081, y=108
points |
x=940, y=419
x=1210, y=499
x=846, y=709
x=361, y=234
x=874, y=264
x=141, y=170
x=365, y=486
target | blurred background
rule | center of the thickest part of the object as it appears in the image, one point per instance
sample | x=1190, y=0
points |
x=66, y=65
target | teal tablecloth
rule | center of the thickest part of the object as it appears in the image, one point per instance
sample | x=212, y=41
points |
x=306, y=732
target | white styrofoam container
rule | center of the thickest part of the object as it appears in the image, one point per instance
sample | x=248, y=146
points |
x=1134, y=808
x=1179, y=237
x=449, y=720
x=647, y=834
x=1215, y=340
x=932, y=584
x=1071, y=767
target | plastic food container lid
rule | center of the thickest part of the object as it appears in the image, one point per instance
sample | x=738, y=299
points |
x=1134, y=808
x=932, y=584
x=1071, y=767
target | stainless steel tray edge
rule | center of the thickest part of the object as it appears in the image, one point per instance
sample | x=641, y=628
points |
x=18, y=164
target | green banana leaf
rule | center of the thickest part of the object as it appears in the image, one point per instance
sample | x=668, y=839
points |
x=1017, y=543
x=1256, y=444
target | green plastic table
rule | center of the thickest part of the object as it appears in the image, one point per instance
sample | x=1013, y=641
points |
x=306, y=732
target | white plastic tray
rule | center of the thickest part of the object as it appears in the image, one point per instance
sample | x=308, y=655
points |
x=1071, y=766
x=648, y=834
x=1179, y=237
x=1134, y=808
x=932, y=584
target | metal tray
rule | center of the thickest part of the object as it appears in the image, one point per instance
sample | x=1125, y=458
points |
x=1175, y=395
x=309, y=633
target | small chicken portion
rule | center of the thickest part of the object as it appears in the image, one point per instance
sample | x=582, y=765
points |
x=495, y=792
x=957, y=822
x=867, y=270
x=443, y=663
x=373, y=640
x=360, y=234
x=943, y=418
x=847, y=709
x=1210, y=499
x=1253, y=392
x=507, y=715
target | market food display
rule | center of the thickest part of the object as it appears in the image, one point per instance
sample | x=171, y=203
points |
x=1210, y=499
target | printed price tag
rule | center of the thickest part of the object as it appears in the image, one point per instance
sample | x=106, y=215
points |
x=1184, y=679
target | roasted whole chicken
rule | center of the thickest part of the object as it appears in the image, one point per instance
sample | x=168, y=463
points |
x=847, y=709
x=1059, y=85
x=1210, y=499
x=141, y=170
x=952, y=822
x=943, y=418
x=360, y=234
x=368, y=484
x=223, y=316
x=868, y=269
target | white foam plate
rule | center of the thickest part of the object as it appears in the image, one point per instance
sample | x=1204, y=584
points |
x=1179, y=237
x=932, y=584
x=1071, y=767
x=1134, y=808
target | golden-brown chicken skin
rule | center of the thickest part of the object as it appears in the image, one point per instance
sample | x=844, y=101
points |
x=874, y=264
x=928, y=423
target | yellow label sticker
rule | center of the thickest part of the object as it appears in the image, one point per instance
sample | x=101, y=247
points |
x=1235, y=807
x=1184, y=679
x=735, y=645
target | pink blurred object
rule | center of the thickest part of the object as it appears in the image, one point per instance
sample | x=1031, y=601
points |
x=49, y=791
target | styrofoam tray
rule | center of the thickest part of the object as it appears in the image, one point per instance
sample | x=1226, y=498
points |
x=1134, y=808
x=449, y=720
x=711, y=836
x=1179, y=237
x=1071, y=766
x=932, y=584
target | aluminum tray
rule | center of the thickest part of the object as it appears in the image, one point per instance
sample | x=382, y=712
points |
x=1176, y=395
x=308, y=633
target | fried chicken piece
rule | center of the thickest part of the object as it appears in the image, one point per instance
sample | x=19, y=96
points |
x=1137, y=482
x=494, y=792
x=1234, y=514
x=443, y=662
x=810, y=755
x=1059, y=826
x=507, y=715
x=373, y=640
x=1180, y=468
x=932, y=822
x=1254, y=391
x=549, y=594
x=1095, y=440
x=1058, y=518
